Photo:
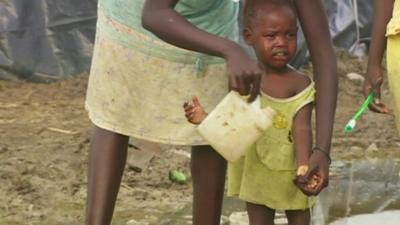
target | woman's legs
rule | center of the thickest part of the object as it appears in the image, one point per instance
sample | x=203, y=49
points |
x=260, y=214
x=107, y=158
x=298, y=217
x=208, y=174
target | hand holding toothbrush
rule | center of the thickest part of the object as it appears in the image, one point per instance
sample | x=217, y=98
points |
x=373, y=82
x=372, y=89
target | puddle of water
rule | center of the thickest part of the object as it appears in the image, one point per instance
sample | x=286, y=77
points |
x=361, y=192
x=360, y=187
x=382, y=218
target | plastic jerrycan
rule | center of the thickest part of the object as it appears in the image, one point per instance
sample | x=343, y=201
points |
x=234, y=125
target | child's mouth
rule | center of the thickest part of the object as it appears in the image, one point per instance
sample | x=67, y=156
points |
x=280, y=55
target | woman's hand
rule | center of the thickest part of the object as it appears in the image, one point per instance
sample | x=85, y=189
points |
x=373, y=82
x=244, y=73
x=194, y=112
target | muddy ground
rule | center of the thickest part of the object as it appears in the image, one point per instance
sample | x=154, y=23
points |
x=45, y=135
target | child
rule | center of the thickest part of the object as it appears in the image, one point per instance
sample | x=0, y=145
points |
x=264, y=176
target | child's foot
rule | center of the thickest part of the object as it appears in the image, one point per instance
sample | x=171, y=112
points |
x=194, y=112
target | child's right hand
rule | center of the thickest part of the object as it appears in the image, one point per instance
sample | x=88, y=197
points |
x=194, y=112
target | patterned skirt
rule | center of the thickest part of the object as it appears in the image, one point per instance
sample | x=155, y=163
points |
x=141, y=95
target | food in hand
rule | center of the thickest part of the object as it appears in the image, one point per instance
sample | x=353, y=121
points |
x=302, y=170
x=313, y=182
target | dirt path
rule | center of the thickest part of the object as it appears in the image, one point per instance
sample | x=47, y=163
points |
x=44, y=139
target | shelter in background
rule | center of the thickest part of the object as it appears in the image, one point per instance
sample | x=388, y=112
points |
x=48, y=40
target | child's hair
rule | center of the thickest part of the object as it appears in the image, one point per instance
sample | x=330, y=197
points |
x=250, y=12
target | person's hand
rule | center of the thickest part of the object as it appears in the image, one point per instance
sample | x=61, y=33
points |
x=311, y=184
x=244, y=73
x=194, y=112
x=373, y=82
x=317, y=176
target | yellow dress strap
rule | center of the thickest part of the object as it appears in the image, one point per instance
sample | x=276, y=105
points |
x=393, y=27
x=306, y=96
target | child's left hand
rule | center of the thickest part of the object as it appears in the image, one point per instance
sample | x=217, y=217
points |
x=311, y=184
x=194, y=112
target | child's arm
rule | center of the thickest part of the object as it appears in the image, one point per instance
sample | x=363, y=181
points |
x=382, y=15
x=160, y=18
x=194, y=112
x=315, y=27
x=302, y=137
x=302, y=134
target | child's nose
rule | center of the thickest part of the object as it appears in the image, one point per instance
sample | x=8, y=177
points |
x=281, y=41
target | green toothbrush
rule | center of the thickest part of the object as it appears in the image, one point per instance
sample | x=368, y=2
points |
x=352, y=123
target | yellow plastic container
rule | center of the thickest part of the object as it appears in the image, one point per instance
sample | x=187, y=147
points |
x=234, y=125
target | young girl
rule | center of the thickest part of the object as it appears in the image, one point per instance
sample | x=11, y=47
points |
x=263, y=178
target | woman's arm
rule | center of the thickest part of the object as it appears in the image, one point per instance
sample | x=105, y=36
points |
x=160, y=18
x=382, y=15
x=315, y=26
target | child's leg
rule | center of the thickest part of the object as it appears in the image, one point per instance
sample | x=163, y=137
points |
x=260, y=214
x=298, y=217
x=107, y=159
x=208, y=174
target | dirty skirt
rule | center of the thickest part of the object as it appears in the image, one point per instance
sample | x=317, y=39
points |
x=140, y=95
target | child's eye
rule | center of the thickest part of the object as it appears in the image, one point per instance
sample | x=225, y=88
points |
x=291, y=35
x=269, y=35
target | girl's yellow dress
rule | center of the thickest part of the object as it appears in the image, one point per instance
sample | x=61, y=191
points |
x=265, y=174
x=393, y=59
x=138, y=83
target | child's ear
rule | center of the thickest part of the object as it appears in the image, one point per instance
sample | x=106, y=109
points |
x=248, y=35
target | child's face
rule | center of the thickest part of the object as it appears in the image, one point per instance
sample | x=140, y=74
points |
x=273, y=35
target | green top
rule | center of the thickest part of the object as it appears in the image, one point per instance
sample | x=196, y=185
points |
x=218, y=17
x=265, y=174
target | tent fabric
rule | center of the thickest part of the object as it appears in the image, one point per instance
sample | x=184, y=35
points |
x=45, y=40
x=48, y=40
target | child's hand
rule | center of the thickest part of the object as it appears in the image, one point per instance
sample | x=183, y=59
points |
x=194, y=112
x=311, y=184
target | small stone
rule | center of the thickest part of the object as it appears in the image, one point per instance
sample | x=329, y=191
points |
x=356, y=150
x=372, y=148
x=371, y=152
x=282, y=221
x=355, y=77
x=134, y=222
x=224, y=220
x=238, y=218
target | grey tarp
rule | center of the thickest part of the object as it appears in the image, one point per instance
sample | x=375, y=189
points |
x=45, y=40
x=346, y=31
